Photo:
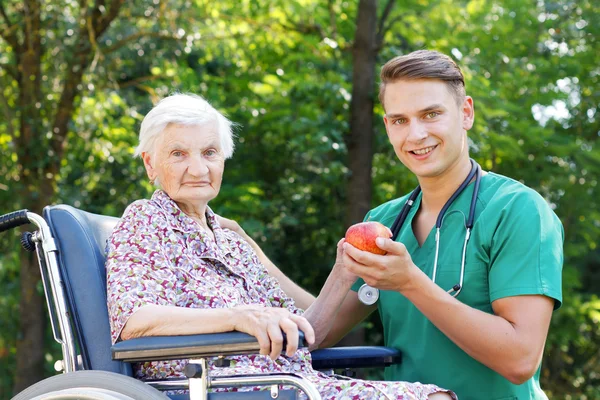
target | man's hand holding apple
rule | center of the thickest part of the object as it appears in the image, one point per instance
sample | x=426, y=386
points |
x=382, y=263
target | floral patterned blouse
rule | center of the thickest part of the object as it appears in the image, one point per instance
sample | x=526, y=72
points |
x=159, y=255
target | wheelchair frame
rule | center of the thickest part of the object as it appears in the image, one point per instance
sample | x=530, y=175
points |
x=196, y=348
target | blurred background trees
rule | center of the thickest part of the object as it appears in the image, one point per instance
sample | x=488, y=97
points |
x=299, y=77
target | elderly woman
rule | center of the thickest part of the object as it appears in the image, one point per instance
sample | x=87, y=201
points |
x=174, y=268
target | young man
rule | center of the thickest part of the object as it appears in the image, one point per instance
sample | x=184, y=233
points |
x=487, y=342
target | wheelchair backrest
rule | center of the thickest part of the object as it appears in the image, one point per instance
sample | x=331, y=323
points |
x=81, y=240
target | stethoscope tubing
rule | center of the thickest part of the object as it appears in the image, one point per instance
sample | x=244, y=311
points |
x=369, y=295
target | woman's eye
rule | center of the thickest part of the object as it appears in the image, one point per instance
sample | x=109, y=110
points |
x=210, y=153
x=177, y=153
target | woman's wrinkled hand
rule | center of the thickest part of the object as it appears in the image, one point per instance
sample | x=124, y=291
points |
x=267, y=325
x=339, y=265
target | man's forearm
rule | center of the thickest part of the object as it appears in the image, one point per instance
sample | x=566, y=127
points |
x=513, y=350
x=322, y=313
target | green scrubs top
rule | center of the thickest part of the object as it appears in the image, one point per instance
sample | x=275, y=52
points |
x=515, y=249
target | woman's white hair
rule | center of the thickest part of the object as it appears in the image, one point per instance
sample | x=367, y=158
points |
x=187, y=110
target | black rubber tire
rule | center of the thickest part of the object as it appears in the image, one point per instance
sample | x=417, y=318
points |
x=93, y=379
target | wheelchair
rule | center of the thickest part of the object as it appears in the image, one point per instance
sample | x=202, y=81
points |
x=69, y=244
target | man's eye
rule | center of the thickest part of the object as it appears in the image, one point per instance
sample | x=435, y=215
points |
x=432, y=114
x=210, y=153
x=399, y=121
x=177, y=153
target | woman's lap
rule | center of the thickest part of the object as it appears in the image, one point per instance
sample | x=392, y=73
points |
x=330, y=387
x=333, y=388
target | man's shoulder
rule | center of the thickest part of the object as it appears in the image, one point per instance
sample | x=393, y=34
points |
x=504, y=196
x=503, y=189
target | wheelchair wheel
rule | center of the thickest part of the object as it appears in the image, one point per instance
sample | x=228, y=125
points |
x=82, y=394
x=90, y=385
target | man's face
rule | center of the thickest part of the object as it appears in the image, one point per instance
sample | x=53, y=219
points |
x=426, y=126
x=188, y=163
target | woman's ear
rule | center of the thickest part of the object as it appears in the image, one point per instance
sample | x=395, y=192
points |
x=149, y=166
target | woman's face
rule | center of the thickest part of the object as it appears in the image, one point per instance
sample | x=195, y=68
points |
x=188, y=162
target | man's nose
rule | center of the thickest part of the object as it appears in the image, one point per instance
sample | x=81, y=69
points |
x=416, y=131
x=197, y=166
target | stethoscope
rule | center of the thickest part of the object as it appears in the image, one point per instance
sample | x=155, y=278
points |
x=369, y=295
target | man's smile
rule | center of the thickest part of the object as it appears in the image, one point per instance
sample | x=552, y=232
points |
x=423, y=151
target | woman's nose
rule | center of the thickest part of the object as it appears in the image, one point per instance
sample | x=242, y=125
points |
x=197, y=166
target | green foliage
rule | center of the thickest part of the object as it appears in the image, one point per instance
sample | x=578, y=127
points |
x=282, y=71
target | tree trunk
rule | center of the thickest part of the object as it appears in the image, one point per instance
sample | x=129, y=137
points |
x=30, y=344
x=360, y=140
x=32, y=304
x=40, y=166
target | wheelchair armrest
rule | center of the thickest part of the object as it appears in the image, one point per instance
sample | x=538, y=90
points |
x=355, y=357
x=155, y=348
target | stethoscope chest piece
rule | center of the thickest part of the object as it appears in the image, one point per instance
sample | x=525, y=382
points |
x=368, y=295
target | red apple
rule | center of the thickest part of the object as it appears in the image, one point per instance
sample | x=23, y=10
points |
x=363, y=235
